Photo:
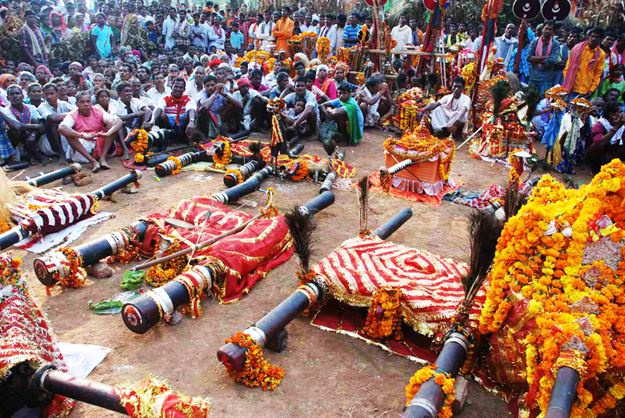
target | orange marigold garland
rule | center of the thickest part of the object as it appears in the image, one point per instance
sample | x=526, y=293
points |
x=257, y=371
x=564, y=254
x=139, y=145
x=76, y=277
x=221, y=161
x=5, y=225
x=178, y=168
x=163, y=273
x=154, y=397
x=237, y=174
x=384, y=318
x=10, y=272
x=441, y=379
x=323, y=48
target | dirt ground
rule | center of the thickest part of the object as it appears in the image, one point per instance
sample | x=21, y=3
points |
x=327, y=375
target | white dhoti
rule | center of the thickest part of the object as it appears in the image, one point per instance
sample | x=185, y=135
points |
x=450, y=111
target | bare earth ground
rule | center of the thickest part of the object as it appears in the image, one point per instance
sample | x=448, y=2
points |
x=327, y=375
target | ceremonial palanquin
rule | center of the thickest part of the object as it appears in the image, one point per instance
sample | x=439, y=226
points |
x=556, y=296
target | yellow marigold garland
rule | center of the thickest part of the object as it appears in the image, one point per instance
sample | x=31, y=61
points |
x=178, y=168
x=221, y=161
x=163, y=273
x=384, y=318
x=257, y=371
x=139, y=145
x=441, y=379
x=5, y=225
x=302, y=171
x=10, y=272
x=323, y=48
x=575, y=301
x=237, y=174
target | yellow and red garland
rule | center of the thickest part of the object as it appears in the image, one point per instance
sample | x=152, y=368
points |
x=257, y=372
x=441, y=379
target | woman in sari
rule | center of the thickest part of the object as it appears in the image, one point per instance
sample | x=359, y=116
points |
x=58, y=28
x=347, y=114
x=325, y=85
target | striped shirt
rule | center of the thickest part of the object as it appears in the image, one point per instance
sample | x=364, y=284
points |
x=350, y=35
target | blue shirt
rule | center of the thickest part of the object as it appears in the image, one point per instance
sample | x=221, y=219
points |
x=350, y=35
x=236, y=39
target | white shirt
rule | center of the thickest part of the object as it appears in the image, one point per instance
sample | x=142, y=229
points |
x=155, y=96
x=219, y=41
x=169, y=28
x=163, y=106
x=402, y=35
x=45, y=109
x=454, y=107
x=336, y=38
x=34, y=113
x=135, y=105
x=263, y=32
x=199, y=36
x=192, y=91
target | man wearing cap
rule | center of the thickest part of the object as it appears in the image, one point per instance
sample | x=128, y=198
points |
x=251, y=103
x=32, y=41
x=283, y=31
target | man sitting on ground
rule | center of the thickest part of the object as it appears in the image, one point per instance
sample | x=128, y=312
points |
x=311, y=110
x=450, y=114
x=53, y=111
x=89, y=129
x=176, y=112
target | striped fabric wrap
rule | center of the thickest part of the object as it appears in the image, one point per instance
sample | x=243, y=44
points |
x=430, y=284
x=50, y=210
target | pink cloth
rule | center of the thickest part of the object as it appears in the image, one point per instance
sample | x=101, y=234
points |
x=539, y=47
x=597, y=132
x=328, y=87
x=90, y=124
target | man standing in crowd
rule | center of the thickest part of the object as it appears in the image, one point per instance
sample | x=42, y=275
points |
x=283, y=31
x=402, y=34
x=350, y=35
x=505, y=44
x=32, y=41
x=584, y=68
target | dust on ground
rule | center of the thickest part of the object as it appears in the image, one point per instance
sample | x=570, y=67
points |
x=327, y=375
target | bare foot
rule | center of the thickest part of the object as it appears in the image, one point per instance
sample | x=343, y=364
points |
x=104, y=165
x=95, y=167
x=126, y=156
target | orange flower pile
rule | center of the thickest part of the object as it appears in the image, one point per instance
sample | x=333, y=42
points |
x=257, y=371
x=237, y=174
x=10, y=272
x=564, y=252
x=441, y=379
x=323, y=48
x=384, y=318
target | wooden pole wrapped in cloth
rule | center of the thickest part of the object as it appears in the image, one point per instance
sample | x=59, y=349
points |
x=226, y=269
x=34, y=374
x=59, y=215
x=57, y=267
x=270, y=330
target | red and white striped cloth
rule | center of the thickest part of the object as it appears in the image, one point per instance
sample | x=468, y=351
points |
x=430, y=284
x=60, y=217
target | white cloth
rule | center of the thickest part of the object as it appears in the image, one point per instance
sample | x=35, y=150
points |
x=136, y=105
x=263, y=32
x=247, y=105
x=401, y=35
x=450, y=111
x=45, y=110
x=336, y=38
x=215, y=39
x=504, y=48
x=372, y=117
x=170, y=27
x=155, y=96
x=618, y=136
x=192, y=90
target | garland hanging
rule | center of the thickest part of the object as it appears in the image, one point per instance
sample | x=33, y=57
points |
x=257, y=371
x=178, y=168
x=441, y=378
x=384, y=318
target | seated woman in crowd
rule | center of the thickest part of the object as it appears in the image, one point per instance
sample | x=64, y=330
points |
x=325, y=85
x=90, y=132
